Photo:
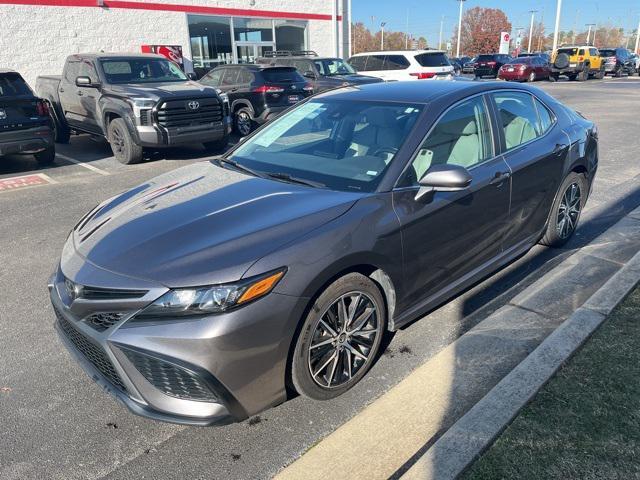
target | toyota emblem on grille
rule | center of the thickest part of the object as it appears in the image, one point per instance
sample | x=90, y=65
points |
x=193, y=105
x=73, y=289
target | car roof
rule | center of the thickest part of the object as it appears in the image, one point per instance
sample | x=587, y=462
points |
x=116, y=55
x=7, y=70
x=254, y=66
x=415, y=91
x=398, y=52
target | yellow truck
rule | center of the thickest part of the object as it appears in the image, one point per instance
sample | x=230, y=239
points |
x=578, y=62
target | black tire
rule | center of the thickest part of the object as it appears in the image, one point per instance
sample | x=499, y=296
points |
x=572, y=76
x=243, y=122
x=61, y=132
x=554, y=236
x=218, y=146
x=46, y=157
x=583, y=75
x=618, y=72
x=310, y=385
x=601, y=73
x=554, y=77
x=124, y=148
x=561, y=61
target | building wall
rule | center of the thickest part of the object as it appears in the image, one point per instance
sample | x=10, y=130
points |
x=35, y=40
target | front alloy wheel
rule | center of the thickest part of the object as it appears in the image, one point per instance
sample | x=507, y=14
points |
x=339, y=339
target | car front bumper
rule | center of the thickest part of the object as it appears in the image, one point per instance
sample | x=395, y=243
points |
x=161, y=369
x=155, y=136
x=26, y=141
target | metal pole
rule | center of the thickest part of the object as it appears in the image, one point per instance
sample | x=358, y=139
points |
x=532, y=12
x=635, y=49
x=459, y=29
x=351, y=48
x=341, y=29
x=557, y=26
x=406, y=33
x=382, y=35
x=334, y=25
x=440, y=37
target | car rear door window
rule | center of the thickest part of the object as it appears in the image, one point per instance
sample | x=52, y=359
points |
x=396, y=62
x=518, y=117
x=593, y=52
x=545, y=118
x=212, y=78
x=375, y=63
x=461, y=137
x=230, y=77
x=245, y=77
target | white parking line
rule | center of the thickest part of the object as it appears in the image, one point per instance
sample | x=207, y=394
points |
x=82, y=164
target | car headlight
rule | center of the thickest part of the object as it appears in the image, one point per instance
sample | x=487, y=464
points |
x=184, y=302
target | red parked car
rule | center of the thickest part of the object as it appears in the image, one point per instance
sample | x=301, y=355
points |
x=525, y=69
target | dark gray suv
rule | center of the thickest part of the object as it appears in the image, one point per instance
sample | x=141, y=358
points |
x=209, y=293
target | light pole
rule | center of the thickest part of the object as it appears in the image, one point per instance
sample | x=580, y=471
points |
x=557, y=26
x=532, y=12
x=382, y=35
x=440, y=37
x=459, y=29
x=589, y=31
x=635, y=49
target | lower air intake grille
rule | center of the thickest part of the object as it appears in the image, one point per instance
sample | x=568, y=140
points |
x=91, y=352
x=103, y=321
x=171, y=379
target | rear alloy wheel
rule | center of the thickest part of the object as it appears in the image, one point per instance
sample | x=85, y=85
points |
x=243, y=122
x=566, y=210
x=340, y=338
x=531, y=77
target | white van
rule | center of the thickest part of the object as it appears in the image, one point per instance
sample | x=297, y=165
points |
x=392, y=66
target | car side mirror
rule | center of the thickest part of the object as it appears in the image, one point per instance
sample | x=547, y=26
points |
x=444, y=178
x=84, y=82
x=309, y=74
x=192, y=76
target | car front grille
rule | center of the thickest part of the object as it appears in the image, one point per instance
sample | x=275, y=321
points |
x=103, y=320
x=181, y=113
x=171, y=379
x=92, y=352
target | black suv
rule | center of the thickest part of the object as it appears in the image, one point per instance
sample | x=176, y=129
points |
x=488, y=64
x=324, y=73
x=25, y=123
x=257, y=92
x=617, y=61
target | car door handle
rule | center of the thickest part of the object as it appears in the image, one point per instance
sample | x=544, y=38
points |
x=499, y=178
x=61, y=89
x=233, y=90
x=80, y=93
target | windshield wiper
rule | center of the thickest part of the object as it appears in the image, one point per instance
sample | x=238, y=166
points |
x=288, y=178
x=239, y=166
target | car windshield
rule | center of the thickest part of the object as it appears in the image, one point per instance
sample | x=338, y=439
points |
x=12, y=84
x=568, y=51
x=344, y=145
x=141, y=70
x=334, y=66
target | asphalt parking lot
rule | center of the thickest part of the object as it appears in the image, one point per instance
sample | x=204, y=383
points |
x=56, y=423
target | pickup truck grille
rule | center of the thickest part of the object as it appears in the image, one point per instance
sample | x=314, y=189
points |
x=189, y=112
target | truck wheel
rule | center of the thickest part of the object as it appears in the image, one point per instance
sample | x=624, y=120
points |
x=583, y=75
x=572, y=76
x=618, y=73
x=61, y=133
x=600, y=74
x=218, y=146
x=243, y=122
x=124, y=148
x=46, y=157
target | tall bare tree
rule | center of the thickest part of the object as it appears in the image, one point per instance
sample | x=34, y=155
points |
x=480, y=31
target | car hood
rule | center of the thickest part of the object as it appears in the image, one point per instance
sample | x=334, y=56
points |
x=201, y=224
x=164, y=90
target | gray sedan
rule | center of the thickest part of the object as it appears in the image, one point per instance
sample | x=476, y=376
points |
x=210, y=293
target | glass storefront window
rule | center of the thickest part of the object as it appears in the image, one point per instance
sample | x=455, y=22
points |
x=291, y=35
x=253, y=30
x=210, y=42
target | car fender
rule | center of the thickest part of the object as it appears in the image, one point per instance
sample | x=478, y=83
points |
x=242, y=103
x=117, y=107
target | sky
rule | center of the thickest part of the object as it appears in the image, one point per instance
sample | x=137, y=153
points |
x=424, y=15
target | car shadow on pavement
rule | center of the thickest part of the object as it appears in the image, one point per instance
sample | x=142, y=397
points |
x=489, y=295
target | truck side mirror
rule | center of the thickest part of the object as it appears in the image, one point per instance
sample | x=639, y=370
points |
x=192, y=76
x=83, y=82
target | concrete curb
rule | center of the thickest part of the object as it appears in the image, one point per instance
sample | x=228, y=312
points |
x=474, y=432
